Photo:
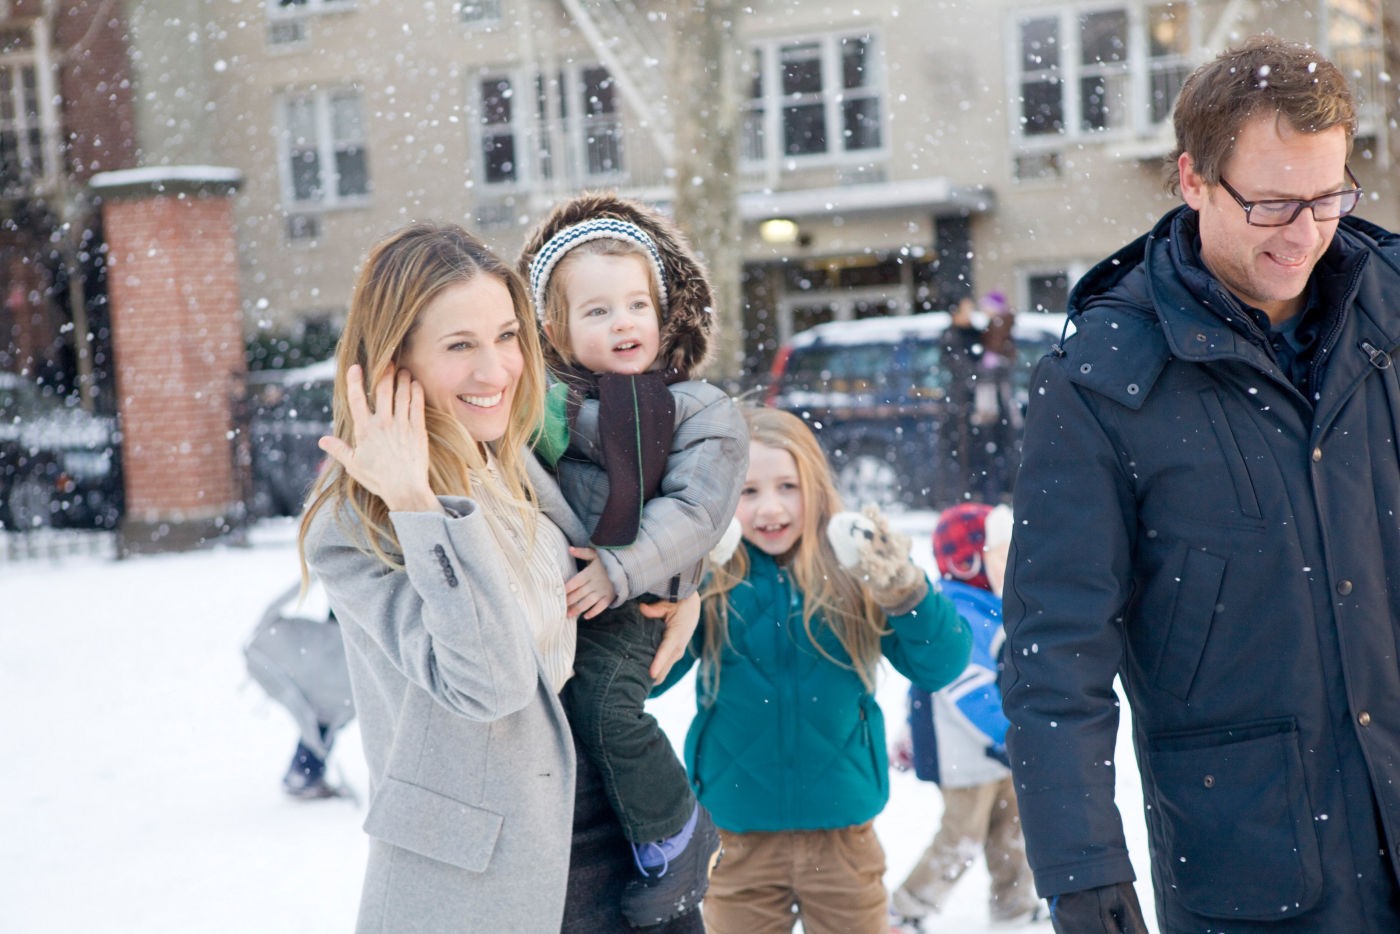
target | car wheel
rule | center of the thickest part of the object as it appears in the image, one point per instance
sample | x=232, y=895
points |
x=867, y=477
x=30, y=503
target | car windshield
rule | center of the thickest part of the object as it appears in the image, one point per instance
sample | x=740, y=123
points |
x=838, y=368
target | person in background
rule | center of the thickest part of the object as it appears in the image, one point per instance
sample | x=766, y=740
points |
x=652, y=460
x=297, y=656
x=995, y=412
x=958, y=737
x=961, y=346
x=443, y=547
x=787, y=750
x=1206, y=511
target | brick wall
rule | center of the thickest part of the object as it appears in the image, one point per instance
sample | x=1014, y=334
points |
x=178, y=342
x=99, y=115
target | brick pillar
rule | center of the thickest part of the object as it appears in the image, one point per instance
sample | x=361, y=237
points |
x=177, y=343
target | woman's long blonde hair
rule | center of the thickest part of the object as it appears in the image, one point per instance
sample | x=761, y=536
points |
x=832, y=596
x=401, y=275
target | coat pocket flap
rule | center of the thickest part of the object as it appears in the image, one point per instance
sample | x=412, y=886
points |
x=433, y=825
x=1232, y=804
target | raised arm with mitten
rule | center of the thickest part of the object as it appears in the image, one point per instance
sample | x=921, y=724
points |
x=879, y=556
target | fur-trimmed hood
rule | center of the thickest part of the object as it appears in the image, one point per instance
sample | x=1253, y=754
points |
x=689, y=320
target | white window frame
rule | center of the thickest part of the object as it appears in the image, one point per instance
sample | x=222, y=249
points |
x=279, y=10
x=772, y=101
x=326, y=147
x=480, y=14
x=1135, y=73
x=39, y=162
x=843, y=302
x=548, y=147
x=1370, y=88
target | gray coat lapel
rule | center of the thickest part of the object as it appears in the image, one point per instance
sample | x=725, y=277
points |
x=552, y=502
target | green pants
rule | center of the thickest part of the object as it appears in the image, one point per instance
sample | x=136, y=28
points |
x=644, y=780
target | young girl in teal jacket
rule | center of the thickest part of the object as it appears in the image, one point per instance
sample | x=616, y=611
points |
x=787, y=750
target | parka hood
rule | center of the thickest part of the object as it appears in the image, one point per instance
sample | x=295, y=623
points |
x=689, y=320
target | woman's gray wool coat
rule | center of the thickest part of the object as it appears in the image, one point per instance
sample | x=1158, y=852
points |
x=470, y=758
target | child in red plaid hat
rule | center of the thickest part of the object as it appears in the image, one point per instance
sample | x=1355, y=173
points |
x=958, y=735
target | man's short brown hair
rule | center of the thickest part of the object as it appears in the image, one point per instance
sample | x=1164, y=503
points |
x=1264, y=75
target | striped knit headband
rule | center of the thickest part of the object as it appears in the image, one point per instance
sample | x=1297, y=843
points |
x=598, y=228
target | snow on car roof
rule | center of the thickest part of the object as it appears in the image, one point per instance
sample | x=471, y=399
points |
x=874, y=330
x=927, y=324
x=312, y=372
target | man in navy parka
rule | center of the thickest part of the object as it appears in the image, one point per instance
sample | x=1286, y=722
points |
x=1209, y=507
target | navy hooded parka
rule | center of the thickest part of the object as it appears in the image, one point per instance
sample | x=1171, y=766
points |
x=1189, y=519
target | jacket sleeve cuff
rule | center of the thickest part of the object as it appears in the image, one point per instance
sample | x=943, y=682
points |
x=617, y=576
x=907, y=605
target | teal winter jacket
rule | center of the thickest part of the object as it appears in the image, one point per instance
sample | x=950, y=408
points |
x=790, y=740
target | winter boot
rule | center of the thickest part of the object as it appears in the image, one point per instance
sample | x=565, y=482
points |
x=675, y=872
x=306, y=776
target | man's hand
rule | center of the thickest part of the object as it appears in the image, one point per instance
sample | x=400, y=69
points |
x=589, y=592
x=1109, y=909
x=681, y=619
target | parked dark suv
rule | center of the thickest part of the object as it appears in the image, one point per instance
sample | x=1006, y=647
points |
x=59, y=465
x=288, y=411
x=879, y=397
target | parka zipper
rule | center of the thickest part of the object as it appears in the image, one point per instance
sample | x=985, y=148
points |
x=785, y=686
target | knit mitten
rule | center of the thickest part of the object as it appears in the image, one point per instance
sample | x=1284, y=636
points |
x=879, y=556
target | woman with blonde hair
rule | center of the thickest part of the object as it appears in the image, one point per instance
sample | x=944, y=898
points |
x=787, y=750
x=443, y=548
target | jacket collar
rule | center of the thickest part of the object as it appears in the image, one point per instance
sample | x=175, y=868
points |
x=1201, y=320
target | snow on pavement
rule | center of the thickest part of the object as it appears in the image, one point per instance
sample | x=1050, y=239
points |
x=142, y=788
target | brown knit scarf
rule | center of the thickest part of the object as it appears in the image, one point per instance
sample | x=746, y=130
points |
x=636, y=424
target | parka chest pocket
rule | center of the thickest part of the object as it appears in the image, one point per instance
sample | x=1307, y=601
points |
x=1232, y=804
x=1234, y=459
x=1202, y=462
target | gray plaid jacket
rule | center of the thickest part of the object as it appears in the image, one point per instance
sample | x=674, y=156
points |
x=704, y=472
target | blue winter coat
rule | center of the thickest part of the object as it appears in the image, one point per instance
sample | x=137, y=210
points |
x=959, y=731
x=793, y=741
x=1189, y=520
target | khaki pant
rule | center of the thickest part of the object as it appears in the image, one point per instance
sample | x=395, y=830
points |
x=832, y=879
x=982, y=817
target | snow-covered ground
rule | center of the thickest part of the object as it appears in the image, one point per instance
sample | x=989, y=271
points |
x=140, y=791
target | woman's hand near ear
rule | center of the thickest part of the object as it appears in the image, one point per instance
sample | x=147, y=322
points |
x=389, y=456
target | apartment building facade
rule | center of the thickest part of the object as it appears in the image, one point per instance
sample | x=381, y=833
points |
x=894, y=157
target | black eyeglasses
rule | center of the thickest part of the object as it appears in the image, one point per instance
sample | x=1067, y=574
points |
x=1280, y=212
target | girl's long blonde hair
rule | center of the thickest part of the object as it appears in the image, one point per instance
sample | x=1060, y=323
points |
x=832, y=596
x=401, y=275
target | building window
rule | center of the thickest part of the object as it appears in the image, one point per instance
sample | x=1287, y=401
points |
x=325, y=162
x=602, y=124
x=1355, y=43
x=1168, y=58
x=21, y=131
x=295, y=7
x=1099, y=70
x=1047, y=291
x=1104, y=77
x=532, y=126
x=498, y=130
x=30, y=108
x=480, y=12
x=816, y=96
